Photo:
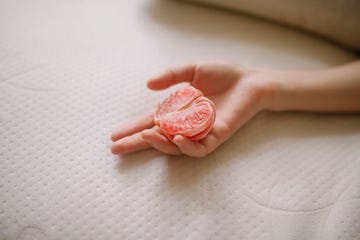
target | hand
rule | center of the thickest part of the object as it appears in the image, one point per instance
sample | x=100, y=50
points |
x=237, y=92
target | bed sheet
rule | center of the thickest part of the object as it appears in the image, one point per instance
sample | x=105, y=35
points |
x=71, y=71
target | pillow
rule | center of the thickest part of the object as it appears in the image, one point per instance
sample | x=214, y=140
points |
x=338, y=20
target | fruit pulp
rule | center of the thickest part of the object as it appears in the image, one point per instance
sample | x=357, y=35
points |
x=186, y=112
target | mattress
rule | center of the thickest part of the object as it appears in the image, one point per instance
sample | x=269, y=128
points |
x=71, y=71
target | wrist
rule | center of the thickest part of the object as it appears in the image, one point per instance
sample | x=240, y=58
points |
x=264, y=86
x=282, y=90
x=325, y=90
x=294, y=90
x=277, y=99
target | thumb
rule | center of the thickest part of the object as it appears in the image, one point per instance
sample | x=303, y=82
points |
x=172, y=76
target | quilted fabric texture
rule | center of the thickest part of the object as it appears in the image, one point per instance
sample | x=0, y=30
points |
x=71, y=71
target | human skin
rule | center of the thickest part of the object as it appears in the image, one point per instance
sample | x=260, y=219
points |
x=239, y=93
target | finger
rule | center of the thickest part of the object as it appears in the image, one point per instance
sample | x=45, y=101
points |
x=219, y=133
x=160, y=142
x=129, y=144
x=132, y=127
x=191, y=148
x=172, y=76
x=210, y=142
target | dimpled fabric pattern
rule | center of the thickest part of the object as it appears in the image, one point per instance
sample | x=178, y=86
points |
x=71, y=71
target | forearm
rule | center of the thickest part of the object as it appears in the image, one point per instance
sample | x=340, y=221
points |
x=329, y=90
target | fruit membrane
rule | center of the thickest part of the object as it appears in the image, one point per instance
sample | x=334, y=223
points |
x=186, y=112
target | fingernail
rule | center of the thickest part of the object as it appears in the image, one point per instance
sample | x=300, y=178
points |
x=114, y=135
x=177, y=138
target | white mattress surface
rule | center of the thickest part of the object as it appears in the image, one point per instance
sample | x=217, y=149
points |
x=71, y=71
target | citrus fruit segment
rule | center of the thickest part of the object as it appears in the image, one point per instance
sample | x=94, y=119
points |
x=176, y=101
x=186, y=112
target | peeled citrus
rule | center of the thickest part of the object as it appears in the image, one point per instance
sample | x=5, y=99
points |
x=186, y=112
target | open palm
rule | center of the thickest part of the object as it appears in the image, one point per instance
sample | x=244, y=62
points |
x=236, y=92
